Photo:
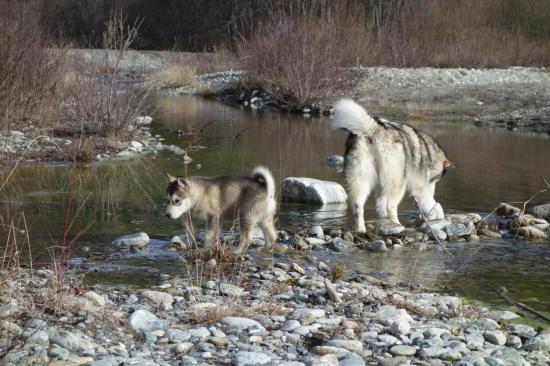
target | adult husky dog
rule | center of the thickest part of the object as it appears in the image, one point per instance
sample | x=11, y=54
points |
x=251, y=199
x=390, y=159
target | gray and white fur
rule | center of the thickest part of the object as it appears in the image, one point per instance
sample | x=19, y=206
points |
x=250, y=199
x=390, y=159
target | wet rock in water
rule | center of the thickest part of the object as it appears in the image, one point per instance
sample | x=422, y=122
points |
x=159, y=298
x=341, y=245
x=177, y=243
x=436, y=234
x=488, y=233
x=377, y=246
x=531, y=232
x=335, y=161
x=455, y=231
x=298, y=242
x=434, y=224
x=506, y=210
x=145, y=321
x=463, y=218
x=317, y=232
x=541, y=211
x=389, y=228
x=309, y=190
x=136, y=241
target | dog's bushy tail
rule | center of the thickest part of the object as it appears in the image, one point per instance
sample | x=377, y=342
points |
x=263, y=175
x=352, y=117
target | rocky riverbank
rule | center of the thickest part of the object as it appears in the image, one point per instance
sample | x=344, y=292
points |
x=32, y=144
x=244, y=311
x=280, y=314
x=486, y=97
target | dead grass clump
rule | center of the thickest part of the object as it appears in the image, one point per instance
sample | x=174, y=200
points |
x=220, y=251
x=338, y=272
x=175, y=75
x=213, y=314
x=82, y=150
x=278, y=288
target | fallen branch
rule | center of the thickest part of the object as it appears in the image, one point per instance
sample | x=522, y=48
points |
x=502, y=293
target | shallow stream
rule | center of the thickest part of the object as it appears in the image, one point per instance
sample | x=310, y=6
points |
x=126, y=196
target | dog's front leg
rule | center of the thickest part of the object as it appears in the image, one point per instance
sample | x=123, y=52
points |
x=212, y=231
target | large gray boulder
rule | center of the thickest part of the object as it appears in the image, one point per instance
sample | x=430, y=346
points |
x=310, y=190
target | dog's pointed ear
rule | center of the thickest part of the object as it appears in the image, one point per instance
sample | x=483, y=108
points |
x=449, y=164
x=170, y=178
x=183, y=182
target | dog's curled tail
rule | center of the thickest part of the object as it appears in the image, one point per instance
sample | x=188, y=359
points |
x=352, y=117
x=263, y=175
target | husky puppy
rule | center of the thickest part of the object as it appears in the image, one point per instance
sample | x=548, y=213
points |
x=251, y=199
x=390, y=159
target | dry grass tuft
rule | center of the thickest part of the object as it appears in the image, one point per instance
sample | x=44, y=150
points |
x=82, y=150
x=219, y=251
x=338, y=272
x=175, y=75
x=213, y=314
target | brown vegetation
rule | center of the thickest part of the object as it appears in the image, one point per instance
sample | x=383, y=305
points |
x=298, y=54
x=30, y=71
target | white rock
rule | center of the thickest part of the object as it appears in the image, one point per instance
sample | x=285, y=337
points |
x=145, y=321
x=388, y=315
x=144, y=120
x=139, y=240
x=400, y=326
x=241, y=323
x=349, y=344
x=310, y=190
x=162, y=299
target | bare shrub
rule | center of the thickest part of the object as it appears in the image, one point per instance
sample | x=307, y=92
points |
x=103, y=104
x=454, y=34
x=299, y=58
x=30, y=69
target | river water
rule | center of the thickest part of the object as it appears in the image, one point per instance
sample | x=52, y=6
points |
x=126, y=196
